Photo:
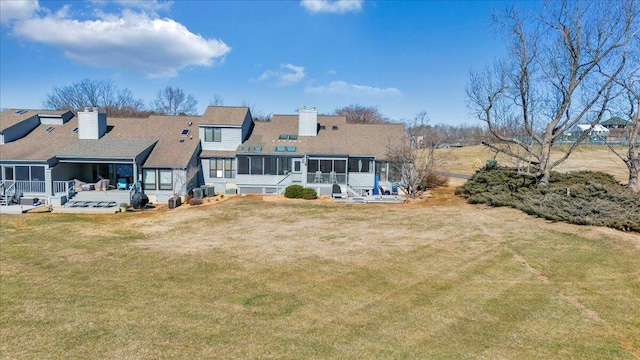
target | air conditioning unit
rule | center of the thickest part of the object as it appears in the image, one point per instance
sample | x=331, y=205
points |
x=198, y=193
x=209, y=191
x=174, y=202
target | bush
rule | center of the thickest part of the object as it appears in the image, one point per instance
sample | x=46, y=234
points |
x=309, y=194
x=194, y=201
x=293, y=191
x=433, y=181
x=583, y=197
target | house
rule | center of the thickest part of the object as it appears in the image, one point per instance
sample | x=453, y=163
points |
x=597, y=133
x=45, y=153
x=615, y=123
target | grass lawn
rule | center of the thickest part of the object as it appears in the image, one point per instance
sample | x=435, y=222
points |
x=585, y=157
x=273, y=278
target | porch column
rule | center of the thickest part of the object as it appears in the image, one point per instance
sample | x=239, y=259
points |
x=48, y=182
x=135, y=171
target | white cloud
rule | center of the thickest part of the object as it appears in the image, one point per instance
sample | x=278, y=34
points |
x=131, y=41
x=332, y=6
x=344, y=88
x=288, y=75
x=17, y=10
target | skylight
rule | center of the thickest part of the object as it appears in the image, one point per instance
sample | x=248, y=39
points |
x=283, y=137
x=20, y=112
x=245, y=148
x=291, y=149
x=49, y=129
x=75, y=130
x=257, y=148
x=184, y=132
x=293, y=137
x=280, y=148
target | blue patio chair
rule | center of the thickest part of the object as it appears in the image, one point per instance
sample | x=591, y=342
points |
x=122, y=184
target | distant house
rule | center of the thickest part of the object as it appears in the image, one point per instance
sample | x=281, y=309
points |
x=596, y=132
x=615, y=123
x=45, y=153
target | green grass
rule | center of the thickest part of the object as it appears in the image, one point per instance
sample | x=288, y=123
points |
x=296, y=279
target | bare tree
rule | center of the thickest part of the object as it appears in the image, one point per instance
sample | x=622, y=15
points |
x=552, y=78
x=360, y=114
x=216, y=101
x=415, y=163
x=256, y=114
x=185, y=180
x=95, y=93
x=173, y=101
x=629, y=104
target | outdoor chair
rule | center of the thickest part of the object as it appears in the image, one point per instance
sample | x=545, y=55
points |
x=122, y=184
x=336, y=192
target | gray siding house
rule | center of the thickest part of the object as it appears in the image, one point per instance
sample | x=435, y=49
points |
x=49, y=154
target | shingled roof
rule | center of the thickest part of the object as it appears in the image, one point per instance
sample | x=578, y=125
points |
x=335, y=137
x=11, y=117
x=225, y=115
x=125, y=138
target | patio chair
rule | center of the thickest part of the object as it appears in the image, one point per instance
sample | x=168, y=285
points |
x=336, y=192
x=102, y=184
x=122, y=184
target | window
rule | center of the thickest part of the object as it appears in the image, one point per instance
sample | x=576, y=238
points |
x=216, y=167
x=284, y=165
x=256, y=166
x=313, y=166
x=340, y=166
x=382, y=169
x=296, y=165
x=212, y=134
x=360, y=165
x=37, y=173
x=149, y=179
x=326, y=166
x=22, y=173
x=270, y=166
x=8, y=173
x=221, y=168
x=229, y=169
x=166, y=180
x=243, y=165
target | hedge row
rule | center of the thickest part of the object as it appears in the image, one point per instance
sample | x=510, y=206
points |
x=584, y=197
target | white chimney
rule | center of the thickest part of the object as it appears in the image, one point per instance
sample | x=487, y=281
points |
x=307, y=122
x=91, y=124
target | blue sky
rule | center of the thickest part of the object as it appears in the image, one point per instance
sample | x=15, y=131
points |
x=277, y=56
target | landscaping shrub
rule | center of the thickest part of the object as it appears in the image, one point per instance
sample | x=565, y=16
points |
x=293, y=191
x=309, y=194
x=583, y=197
x=433, y=181
x=194, y=201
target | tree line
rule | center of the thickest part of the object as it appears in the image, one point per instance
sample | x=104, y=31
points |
x=117, y=102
